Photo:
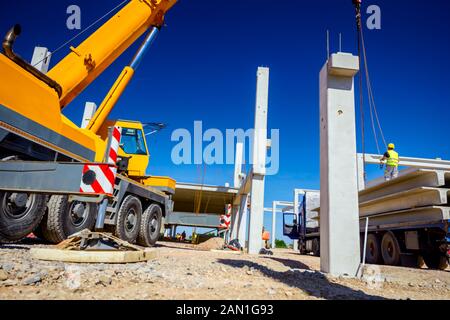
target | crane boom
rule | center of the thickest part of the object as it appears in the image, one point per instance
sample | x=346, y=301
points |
x=86, y=62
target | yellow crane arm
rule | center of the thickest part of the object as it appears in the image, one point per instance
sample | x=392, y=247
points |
x=86, y=62
x=121, y=83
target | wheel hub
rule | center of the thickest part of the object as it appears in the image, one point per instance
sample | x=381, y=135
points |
x=153, y=224
x=131, y=220
x=78, y=213
x=16, y=205
x=19, y=199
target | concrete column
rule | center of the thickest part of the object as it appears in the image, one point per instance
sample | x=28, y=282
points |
x=274, y=222
x=242, y=224
x=235, y=222
x=89, y=111
x=238, y=164
x=259, y=162
x=339, y=223
x=41, y=59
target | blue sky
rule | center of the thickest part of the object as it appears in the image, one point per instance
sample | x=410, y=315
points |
x=203, y=67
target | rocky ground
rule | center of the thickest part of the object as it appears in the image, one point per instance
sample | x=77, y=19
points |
x=181, y=272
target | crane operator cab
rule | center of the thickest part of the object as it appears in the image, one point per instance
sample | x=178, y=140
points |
x=134, y=156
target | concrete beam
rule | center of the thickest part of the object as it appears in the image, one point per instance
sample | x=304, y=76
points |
x=407, y=179
x=412, y=198
x=206, y=188
x=193, y=220
x=339, y=223
x=436, y=164
x=408, y=217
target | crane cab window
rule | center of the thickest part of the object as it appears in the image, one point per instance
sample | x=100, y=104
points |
x=132, y=142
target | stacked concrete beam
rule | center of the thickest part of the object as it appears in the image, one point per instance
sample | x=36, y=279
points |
x=416, y=196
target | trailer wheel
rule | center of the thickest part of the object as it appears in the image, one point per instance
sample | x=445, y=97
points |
x=390, y=249
x=20, y=214
x=373, y=252
x=316, y=247
x=65, y=218
x=129, y=219
x=435, y=260
x=150, y=230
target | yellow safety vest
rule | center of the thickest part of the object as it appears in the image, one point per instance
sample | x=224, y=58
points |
x=392, y=161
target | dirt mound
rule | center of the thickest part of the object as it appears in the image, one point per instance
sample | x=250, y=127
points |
x=212, y=244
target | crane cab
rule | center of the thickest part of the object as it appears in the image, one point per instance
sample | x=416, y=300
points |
x=135, y=155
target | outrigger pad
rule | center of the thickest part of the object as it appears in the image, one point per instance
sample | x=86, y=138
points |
x=94, y=247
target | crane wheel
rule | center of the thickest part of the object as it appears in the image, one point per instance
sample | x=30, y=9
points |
x=373, y=252
x=65, y=218
x=316, y=247
x=150, y=229
x=435, y=260
x=20, y=214
x=390, y=249
x=129, y=219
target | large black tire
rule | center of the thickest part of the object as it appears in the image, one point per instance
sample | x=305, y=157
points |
x=20, y=214
x=373, y=252
x=316, y=247
x=435, y=260
x=65, y=218
x=390, y=249
x=129, y=219
x=151, y=223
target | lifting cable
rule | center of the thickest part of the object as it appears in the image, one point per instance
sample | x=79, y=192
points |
x=82, y=32
x=361, y=98
x=373, y=107
x=362, y=54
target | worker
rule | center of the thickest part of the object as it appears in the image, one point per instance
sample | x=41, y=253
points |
x=265, y=238
x=392, y=159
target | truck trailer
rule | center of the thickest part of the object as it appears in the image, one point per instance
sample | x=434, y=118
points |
x=395, y=236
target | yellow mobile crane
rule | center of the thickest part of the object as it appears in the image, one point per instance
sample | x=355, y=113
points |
x=45, y=157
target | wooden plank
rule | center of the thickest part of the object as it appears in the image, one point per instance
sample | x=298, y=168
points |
x=113, y=257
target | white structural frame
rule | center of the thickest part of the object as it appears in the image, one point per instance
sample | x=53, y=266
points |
x=274, y=210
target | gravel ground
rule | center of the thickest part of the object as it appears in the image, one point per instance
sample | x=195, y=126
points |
x=181, y=272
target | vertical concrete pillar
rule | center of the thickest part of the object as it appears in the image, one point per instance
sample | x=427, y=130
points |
x=274, y=223
x=259, y=162
x=41, y=59
x=89, y=111
x=235, y=222
x=243, y=222
x=339, y=223
x=238, y=164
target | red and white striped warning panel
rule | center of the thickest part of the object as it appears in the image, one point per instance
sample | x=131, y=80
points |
x=225, y=220
x=100, y=178
x=114, y=147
